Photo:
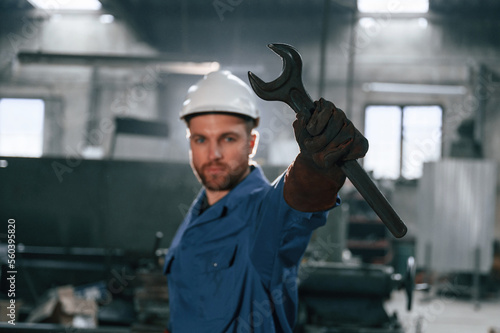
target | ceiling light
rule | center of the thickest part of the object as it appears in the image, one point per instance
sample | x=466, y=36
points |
x=367, y=22
x=66, y=4
x=422, y=23
x=106, y=19
x=393, y=6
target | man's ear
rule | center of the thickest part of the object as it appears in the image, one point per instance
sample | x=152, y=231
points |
x=254, y=142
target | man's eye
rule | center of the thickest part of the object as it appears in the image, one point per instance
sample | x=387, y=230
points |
x=199, y=140
x=229, y=139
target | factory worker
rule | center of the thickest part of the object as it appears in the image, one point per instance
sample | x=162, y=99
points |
x=232, y=265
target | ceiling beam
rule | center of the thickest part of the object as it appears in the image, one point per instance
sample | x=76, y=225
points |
x=162, y=63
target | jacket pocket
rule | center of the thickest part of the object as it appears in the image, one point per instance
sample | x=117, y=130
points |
x=217, y=259
x=217, y=281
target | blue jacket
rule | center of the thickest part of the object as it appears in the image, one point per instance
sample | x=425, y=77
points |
x=233, y=268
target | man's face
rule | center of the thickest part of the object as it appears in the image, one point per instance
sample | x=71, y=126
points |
x=220, y=149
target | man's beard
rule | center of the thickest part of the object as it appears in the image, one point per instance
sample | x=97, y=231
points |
x=225, y=180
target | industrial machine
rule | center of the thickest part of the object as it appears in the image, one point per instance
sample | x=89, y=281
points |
x=338, y=297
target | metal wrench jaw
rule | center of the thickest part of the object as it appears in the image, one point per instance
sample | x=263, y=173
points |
x=288, y=87
x=259, y=86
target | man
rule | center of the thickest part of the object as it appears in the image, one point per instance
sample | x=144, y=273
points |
x=232, y=266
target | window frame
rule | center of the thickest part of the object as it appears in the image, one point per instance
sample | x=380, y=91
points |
x=401, y=106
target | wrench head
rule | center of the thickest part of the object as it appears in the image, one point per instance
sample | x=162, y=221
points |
x=291, y=76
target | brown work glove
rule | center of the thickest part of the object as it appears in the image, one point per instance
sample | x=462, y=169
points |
x=326, y=139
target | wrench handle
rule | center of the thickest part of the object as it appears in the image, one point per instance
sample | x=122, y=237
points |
x=377, y=201
x=301, y=102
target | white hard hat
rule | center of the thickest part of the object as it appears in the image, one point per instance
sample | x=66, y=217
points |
x=220, y=91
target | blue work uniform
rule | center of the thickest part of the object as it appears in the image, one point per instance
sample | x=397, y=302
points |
x=233, y=267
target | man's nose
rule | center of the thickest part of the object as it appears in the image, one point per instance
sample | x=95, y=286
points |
x=215, y=151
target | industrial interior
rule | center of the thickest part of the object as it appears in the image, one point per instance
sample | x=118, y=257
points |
x=94, y=163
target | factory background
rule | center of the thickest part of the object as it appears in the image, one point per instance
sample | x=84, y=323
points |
x=94, y=164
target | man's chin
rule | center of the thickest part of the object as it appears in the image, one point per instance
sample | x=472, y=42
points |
x=221, y=181
x=216, y=184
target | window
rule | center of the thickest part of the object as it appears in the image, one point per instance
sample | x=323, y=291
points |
x=401, y=139
x=21, y=127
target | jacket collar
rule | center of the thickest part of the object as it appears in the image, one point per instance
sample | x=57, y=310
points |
x=253, y=181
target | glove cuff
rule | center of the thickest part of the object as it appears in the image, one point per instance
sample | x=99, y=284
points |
x=308, y=188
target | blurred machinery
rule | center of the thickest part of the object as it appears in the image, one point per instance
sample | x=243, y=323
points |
x=151, y=292
x=343, y=288
x=339, y=297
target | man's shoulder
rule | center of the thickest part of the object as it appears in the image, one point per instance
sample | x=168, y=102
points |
x=256, y=179
x=254, y=188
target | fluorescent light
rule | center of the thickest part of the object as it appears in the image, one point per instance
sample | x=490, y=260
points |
x=66, y=4
x=106, y=19
x=393, y=6
x=409, y=88
x=422, y=23
x=367, y=22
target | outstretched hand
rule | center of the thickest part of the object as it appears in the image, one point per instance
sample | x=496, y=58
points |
x=328, y=137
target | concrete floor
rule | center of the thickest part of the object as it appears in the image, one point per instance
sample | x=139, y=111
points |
x=445, y=314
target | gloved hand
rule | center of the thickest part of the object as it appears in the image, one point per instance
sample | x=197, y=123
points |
x=326, y=139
